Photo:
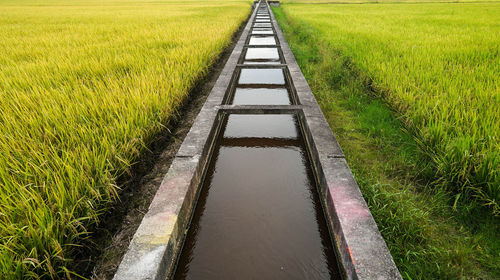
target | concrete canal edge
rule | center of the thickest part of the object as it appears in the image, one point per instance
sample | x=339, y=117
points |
x=361, y=250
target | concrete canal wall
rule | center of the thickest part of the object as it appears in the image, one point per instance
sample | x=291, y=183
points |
x=261, y=78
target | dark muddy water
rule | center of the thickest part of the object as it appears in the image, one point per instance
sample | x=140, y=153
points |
x=261, y=96
x=260, y=24
x=262, y=41
x=261, y=76
x=262, y=53
x=258, y=215
x=262, y=32
x=262, y=56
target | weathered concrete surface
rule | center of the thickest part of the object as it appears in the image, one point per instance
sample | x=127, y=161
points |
x=363, y=250
x=362, y=253
x=154, y=244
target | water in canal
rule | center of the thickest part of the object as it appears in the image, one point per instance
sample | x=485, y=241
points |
x=258, y=215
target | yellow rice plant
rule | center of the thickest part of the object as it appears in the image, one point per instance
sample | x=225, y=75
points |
x=438, y=65
x=84, y=87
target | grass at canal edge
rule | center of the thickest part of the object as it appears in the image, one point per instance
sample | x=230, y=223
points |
x=429, y=234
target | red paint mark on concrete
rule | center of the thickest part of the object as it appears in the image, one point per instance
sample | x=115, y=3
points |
x=350, y=209
x=350, y=255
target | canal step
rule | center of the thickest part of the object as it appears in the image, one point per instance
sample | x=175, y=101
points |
x=260, y=188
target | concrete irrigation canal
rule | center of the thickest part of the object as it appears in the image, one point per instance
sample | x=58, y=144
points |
x=260, y=188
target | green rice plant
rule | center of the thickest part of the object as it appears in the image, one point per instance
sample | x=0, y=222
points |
x=379, y=1
x=437, y=65
x=429, y=236
x=84, y=87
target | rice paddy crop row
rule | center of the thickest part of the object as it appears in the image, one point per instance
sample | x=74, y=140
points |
x=379, y=1
x=438, y=65
x=84, y=86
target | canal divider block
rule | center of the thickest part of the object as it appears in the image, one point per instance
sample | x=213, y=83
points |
x=361, y=250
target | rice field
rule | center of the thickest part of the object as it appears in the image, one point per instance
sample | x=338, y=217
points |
x=84, y=87
x=378, y=1
x=438, y=66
